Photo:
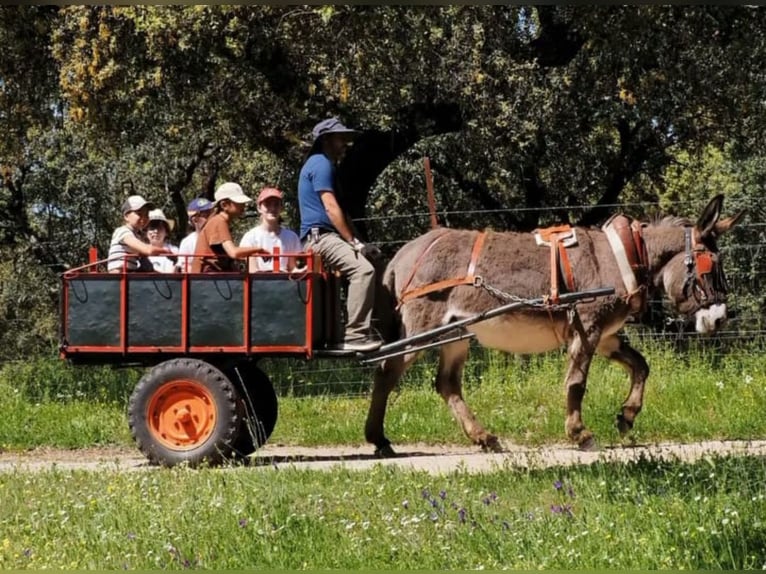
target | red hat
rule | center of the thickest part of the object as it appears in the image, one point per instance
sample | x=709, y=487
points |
x=268, y=192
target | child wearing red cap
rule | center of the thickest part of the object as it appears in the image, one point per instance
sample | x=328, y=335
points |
x=269, y=234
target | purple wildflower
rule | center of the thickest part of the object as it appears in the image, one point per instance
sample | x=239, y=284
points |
x=425, y=493
x=570, y=491
x=27, y=552
x=461, y=515
x=443, y=494
x=558, y=485
x=242, y=522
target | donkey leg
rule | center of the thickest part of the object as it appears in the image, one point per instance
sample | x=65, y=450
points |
x=580, y=356
x=617, y=349
x=386, y=377
x=449, y=385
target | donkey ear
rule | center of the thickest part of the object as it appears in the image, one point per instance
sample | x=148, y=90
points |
x=710, y=215
x=725, y=224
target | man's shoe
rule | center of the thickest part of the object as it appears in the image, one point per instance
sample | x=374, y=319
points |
x=362, y=345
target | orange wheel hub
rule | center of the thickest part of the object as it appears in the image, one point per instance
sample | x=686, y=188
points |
x=182, y=414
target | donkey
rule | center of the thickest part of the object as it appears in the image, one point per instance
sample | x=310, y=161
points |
x=427, y=286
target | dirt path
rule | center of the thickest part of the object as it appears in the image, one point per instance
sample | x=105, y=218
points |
x=434, y=459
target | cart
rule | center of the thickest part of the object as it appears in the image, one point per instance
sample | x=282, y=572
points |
x=204, y=397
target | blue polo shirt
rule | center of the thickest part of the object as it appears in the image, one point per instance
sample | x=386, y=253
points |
x=317, y=176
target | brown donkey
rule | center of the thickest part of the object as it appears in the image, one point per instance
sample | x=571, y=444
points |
x=428, y=286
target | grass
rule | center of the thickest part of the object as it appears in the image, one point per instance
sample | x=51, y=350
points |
x=642, y=515
x=700, y=394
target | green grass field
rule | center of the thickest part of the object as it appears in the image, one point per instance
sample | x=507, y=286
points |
x=641, y=515
x=703, y=394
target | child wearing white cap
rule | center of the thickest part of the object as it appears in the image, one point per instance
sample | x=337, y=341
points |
x=215, y=249
x=157, y=231
x=127, y=250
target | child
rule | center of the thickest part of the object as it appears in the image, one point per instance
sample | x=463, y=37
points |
x=128, y=251
x=269, y=234
x=215, y=249
x=198, y=210
x=157, y=232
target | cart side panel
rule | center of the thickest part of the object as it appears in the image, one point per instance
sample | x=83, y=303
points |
x=215, y=311
x=154, y=310
x=278, y=310
x=93, y=311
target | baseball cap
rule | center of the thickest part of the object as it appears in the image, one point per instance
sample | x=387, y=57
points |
x=158, y=215
x=199, y=204
x=268, y=192
x=134, y=203
x=231, y=191
x=331, y=126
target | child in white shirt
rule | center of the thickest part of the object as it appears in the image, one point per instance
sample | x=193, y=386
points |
x=128, y=251
x=269, y=234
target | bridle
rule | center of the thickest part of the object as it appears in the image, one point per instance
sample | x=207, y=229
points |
x=703, y=275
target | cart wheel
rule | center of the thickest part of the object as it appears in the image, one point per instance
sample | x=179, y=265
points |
x=258, y=407
x=184, y=410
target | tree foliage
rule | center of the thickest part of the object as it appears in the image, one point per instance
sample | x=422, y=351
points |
x=530, y=114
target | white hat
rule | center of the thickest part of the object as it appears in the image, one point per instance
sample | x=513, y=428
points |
x=231, y=191
x=157, y=215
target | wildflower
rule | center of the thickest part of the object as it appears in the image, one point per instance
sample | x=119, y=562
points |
x=461, y=515
x=425, y=493
x=434, y=517
x=131, y=535
x=443, y=494
x=748, y=379
x=242, y=522
x=405, y=504
x=719, y=384
x=558, y=485
x=27, y=552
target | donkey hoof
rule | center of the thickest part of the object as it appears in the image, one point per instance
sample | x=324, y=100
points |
x=385, y=451
x=623, y=425
x=588, y=445
x=491, y=444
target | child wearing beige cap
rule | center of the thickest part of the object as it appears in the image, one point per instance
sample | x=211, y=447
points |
x=215, y=249
x=127, y=250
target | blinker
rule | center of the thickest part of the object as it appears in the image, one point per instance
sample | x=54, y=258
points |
x=704, y=263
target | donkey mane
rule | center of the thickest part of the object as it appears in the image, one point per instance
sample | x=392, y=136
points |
x=670, y=221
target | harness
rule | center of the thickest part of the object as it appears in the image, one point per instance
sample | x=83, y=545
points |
x=701, y=272
x=626, y=239
x=468, y=279
x=558, y=238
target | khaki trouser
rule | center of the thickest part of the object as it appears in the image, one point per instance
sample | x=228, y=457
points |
x=338, y=254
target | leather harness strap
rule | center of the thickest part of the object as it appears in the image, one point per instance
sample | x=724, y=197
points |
x=558, y=238
x=467, y=279
x=627, y=242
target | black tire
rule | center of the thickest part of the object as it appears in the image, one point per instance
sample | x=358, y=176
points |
x=184, y=411
x=259, y=407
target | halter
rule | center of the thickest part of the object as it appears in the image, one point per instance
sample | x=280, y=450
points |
x=702, y=274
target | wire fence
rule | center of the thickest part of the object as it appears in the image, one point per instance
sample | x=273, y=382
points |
x=745, y=328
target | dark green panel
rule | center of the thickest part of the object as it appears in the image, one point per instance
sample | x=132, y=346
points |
x=154, y=310
x=277, y=311
x=93, y=311
x=215, y=311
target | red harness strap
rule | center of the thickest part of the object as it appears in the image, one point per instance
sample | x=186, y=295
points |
x=555, y=236
x=467, y=279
